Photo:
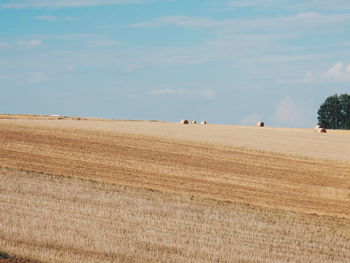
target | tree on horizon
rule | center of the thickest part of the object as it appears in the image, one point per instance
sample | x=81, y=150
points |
x=334, y=112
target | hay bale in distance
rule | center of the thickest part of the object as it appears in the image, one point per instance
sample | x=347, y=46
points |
x=193, y=122
x=317, y=127
x=203, y=122
x=260, y=124
x=322, y=130
x=184, y=121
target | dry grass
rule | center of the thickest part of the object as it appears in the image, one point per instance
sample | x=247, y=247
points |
x=334, y=145
x=209, y=198
x=58, y=219
x=209, y=171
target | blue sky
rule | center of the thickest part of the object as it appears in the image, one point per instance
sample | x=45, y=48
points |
x=229, y=62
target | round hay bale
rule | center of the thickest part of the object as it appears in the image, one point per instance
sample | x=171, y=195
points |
x=203, y=122
x=317, y=127
x=260, y=124
x=193, y=122
x=322, y=130
x=184, y=121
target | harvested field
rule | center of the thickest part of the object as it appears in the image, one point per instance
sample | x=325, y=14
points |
x=334, y=145
x=203, y=170
x=63, y=219
x=172, y=193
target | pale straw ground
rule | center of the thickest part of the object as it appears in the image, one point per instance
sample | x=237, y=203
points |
x=58, y=219
x=173, y=193
x=333, y=145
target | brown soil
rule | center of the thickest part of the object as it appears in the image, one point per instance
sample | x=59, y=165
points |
x=16, y=260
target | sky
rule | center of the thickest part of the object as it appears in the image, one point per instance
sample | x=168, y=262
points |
x=225, y=61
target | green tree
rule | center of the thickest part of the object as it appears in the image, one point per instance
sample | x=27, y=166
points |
x=345, y=110
x=334, y=112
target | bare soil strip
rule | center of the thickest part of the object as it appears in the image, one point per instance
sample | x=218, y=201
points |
x=63, y=219
x=191, y=168
x=16, y=260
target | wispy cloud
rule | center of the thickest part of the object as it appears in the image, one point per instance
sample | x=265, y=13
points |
x=339, y=72
x=168, y=91
x=53, y=18
x=70, y=68
x=5, y=45
x=280, y=59
x=201, y=94
x=47, y=18
x=287, y=110
x=56, y=4
x=343, y=44
x=288, y=113
x=130, y=68
x=250, y=120
x=37, y=77
x=184, y=21
x=298, y=5
x=67, y=36
x=207, y=94
x=29, y=43
x=32, y=43
x=299, y=23
x=102, y=43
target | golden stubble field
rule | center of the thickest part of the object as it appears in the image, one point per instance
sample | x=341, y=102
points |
x=278, y=172
x=60, y=219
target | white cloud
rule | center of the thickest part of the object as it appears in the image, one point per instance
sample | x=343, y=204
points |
x=250, y=40
x=250, y=120
x=166, y=91
x=339, y=72
x=280, y=59
x=286, y=110
x=56, y=4
x=244, y=3
x=299, y=22
x=47, y=18
x=288, y=113
x=343, y=44
x=309, y=77
x=53, y=18
x=67, y=36
x=5, y=45
x=21, y=44
x=37, y=77
x=295, y=5
x=185, y=21
x=70, y=68
x=202, y=94
x=29, y=43
x=102, y=43
x=130, y=68
x=207, y=94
